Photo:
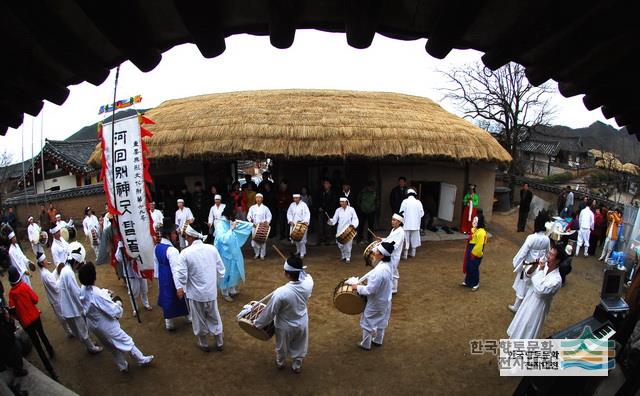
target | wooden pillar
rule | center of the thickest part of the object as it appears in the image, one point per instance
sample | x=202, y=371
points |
x=549, y=166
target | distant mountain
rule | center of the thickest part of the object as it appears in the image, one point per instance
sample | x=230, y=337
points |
x=91, y=131
x=602, y=137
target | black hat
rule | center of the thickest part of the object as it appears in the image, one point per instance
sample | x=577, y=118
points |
x=168, y=226
x=14, y=275
x=387, y=248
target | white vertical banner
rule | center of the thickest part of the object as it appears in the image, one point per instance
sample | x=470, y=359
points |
x=124, y=178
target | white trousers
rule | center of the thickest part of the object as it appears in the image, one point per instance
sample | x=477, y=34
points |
x=205, y=318
x=260, y=249
x=37, y=248
x=583, y=239
x=412, y=240
x=229, y=291
x=139, y=288
x=396, y=276
x=63, y=322
x=345, y=249
x=119, y=355
x=368, y=336
x=183, y=242
x=301, y=246
x=96, y=249
x=607, y=249
x=78, y=327
x=292, y=341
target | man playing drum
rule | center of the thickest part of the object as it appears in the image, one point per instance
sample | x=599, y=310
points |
x=33, y=230
x=378, y=290
x=288, y=309
x=299, y=213
x=90, y=226
x=183, y=217
x=344, y=216
x=396, y=236
x=259, y=214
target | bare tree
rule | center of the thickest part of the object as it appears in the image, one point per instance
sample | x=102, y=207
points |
x=502, y=101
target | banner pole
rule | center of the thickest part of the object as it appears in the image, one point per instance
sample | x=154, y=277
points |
x=125, y=261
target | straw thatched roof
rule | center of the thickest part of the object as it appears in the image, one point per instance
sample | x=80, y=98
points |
x=616, y=165
x=315, y=123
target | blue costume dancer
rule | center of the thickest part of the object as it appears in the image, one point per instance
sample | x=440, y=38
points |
x=167, y=257
x=231, y=234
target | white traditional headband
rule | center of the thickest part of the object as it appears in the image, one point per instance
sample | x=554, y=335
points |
x=343, y=199
x=58, y=216
x=259, y=195
x=30, y=218
x=296, y=195
x=289, y=268
x=12, y=235
x=411, y=191
x=180, y=200
x=55, y=229
x=217, y=196
x=193, y=233
x=382, y=250
x=398, y=217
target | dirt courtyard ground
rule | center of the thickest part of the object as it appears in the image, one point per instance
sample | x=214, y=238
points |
x=426, y=348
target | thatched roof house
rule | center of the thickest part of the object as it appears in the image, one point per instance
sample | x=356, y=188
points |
x=365, y=135
x=315, y=123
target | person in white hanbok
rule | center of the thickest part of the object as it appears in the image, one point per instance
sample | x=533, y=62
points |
x=156, y=216
x=215, y=214
x=183, y=215
x=545, y=283
x=258, y=214
x=287, y=309
x=59, y=247
x=138, y=284
x=70, y=303
x=535, y=247
x=378, y=290
x=344, y=216
x=18, y=259
x=200, y=267
x=412, y=211
x=587, y=222
x=396, y=236
x=33, y=231
x=298, y=212
x=90, y=225
x=103, y=316
x=50, y=283
x=158, y=219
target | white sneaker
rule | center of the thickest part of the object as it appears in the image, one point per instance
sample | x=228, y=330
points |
x=348, y=260
x=95, y=350
x=512, y=308
x=146, y=360
x=125, y=369
x=228, y=299
x=586, y=255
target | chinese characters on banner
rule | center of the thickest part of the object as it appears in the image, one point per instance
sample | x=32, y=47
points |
x=124, y=174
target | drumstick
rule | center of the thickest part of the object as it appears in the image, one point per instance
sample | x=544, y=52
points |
x=265, y=297
x=279, y=252
x=373, y=233
x=327, y=214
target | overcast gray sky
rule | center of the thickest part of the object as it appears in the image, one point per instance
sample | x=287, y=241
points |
x=316, y=60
